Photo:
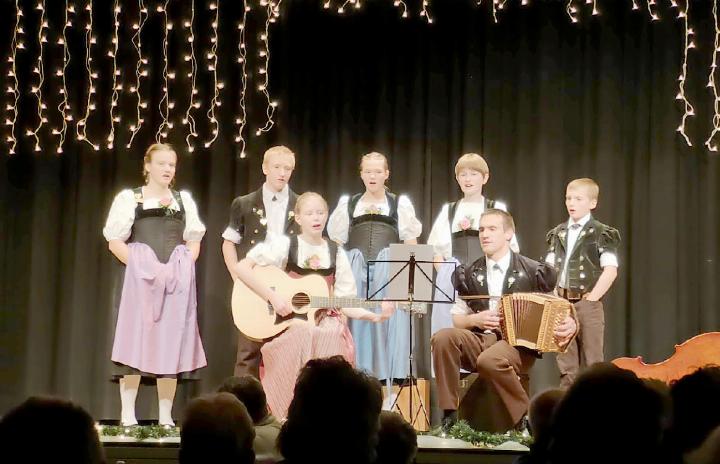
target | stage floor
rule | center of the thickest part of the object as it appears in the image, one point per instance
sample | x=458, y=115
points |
x=431, y=450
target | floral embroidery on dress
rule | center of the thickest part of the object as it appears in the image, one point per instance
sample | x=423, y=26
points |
x=465, y=223
x=312, y=262
x=165, y=204
x=373, y=209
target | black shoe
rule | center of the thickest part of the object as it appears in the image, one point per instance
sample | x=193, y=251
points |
x=522, y=425
x=450, y=418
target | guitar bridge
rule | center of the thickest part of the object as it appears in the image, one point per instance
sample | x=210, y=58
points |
x=280, y=319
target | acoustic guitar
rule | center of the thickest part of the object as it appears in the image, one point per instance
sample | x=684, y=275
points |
x=256, y=318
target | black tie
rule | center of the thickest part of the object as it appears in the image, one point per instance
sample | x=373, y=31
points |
x=274, y=198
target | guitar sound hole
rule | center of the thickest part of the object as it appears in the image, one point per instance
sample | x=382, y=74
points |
x=300, y=300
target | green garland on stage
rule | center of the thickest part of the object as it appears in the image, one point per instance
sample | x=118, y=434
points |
x=462, y=431
x=139, y=432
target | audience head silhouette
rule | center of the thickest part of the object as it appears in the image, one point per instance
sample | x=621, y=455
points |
x=73, y=439
x=249, y=391
x=607, y=413
x=334, y=415
x=696, y=408
x=397, y=440
x=218, y=429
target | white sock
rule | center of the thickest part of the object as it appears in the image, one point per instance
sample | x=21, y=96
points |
x=128, y=394
x=166, y=396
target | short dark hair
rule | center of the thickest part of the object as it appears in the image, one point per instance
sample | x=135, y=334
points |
x=540, y=412
x=508, y=222
x=695, y=407
x=397, y=440
x=216, y=428
x=344, y=403
x=249, y=391
x=604, y=398
x=73, y=439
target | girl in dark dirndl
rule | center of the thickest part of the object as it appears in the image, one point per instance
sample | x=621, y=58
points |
x=366, y=224
x=155, y=232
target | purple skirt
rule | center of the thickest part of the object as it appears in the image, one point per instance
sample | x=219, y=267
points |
x=157, y=332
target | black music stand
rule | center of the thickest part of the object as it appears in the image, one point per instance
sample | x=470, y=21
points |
x=410, y=382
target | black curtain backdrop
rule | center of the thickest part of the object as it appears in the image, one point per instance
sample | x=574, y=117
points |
x=543, y=99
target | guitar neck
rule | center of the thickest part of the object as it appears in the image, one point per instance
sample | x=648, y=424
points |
x=332, y=302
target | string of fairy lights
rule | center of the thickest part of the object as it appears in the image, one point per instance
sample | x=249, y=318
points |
x=116, y=88
x=241, y=119
x=267, y=12
x=64, y=106
x=16, y=45
x=212, y=68
x=709, y=143
x=188, y=119
x=272, y=10
x=39, y=69
x=683, y=15
x=165, y=103
x=90, y=40
x=139, y=71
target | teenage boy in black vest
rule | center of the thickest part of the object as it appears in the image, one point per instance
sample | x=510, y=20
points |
x=252, y=216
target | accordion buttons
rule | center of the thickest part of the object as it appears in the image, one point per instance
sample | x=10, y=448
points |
x=582, y=275
x=601, y=249
x=256, y=231
x=582, y=268
x=582, y=287
x=252, y=242
x=292, y=231
x=582, y=258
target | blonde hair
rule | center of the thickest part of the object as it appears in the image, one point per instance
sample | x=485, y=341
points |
x=305, y=197
x=277, y=150
x=374, y=155
x=147, y=159
x=472, y=161
x=590, y=186
x=507, y=219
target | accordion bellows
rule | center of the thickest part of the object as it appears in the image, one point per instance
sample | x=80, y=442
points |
x=529, y=320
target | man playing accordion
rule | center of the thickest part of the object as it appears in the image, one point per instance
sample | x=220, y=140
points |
x=475, y=342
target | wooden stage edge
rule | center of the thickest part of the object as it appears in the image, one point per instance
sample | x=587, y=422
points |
x=432, y=450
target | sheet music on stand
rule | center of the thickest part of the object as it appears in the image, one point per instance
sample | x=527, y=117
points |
x=422, y=285
x=410, y=282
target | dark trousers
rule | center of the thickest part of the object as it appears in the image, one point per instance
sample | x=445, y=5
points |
x=248, y=357
x=587, y=348
x=503, y=366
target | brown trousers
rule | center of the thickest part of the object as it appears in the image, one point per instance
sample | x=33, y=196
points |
x=248, y=357
x=501, y=365
x=587, y=348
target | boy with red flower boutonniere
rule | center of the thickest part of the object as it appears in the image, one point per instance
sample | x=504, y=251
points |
x=328, y=334
x=454, y=234
x=268, y=210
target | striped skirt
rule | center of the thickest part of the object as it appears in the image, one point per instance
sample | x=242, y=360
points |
x=285, y=355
